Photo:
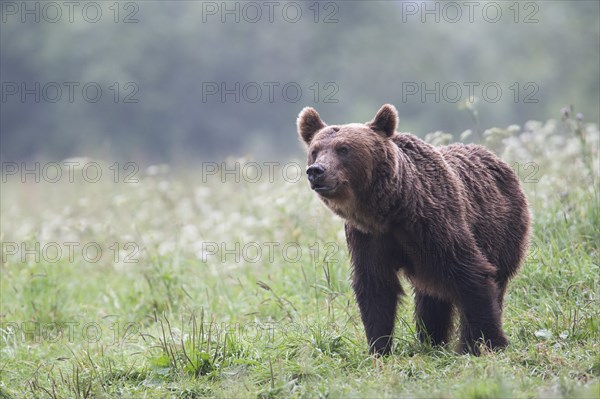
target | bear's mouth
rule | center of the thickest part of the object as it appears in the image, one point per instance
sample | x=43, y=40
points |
x=323, y=189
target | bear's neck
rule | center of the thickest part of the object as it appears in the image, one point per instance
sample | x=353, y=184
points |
x=388, y=201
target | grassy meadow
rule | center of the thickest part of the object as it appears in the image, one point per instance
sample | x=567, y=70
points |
x=162, y=283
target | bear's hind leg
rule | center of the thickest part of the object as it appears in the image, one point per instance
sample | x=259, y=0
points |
x=433, y=318
x=478, y=302
x=472, y=337
x=501, y=291
x=480, y=320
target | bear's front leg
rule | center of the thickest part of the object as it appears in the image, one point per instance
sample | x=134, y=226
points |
x=376, y=286
x=433, y=317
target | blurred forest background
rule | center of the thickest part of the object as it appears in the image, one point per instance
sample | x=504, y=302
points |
x=158, y=64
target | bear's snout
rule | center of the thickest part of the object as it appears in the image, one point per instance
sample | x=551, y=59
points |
x=315, y=172
x=318, y=180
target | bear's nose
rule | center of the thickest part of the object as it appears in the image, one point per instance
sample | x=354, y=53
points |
x=315, y=171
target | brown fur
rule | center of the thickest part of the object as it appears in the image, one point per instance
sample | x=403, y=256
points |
x=454, y=219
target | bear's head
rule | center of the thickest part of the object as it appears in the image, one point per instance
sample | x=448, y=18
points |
x=349, y=164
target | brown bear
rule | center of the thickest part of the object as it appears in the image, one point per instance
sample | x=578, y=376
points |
x=454, y=219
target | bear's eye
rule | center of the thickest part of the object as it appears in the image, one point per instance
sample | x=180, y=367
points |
x=342, y=151
x=313, y=154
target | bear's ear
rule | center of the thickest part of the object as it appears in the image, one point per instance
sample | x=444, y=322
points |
x=386, y=120
x=308, y=123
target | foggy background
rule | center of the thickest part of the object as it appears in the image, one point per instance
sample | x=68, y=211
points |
x=187, y=81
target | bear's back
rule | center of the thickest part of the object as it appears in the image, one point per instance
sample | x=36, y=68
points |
x=497, y=207
x=487, y=189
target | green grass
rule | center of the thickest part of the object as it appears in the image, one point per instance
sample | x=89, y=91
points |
x=186, y=321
